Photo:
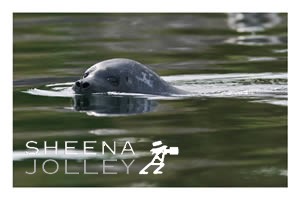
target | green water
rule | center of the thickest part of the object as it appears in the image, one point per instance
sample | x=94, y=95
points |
x=230, y=141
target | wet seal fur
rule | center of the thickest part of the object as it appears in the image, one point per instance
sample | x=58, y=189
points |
x=123, y=75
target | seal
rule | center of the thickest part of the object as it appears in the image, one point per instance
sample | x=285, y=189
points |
x=123, y=75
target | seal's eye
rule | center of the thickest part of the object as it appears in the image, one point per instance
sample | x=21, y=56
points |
x=113, y=80
x=85, y=75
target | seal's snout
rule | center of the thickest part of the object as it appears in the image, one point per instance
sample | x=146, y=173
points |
x=81, y=86
x=85, y=85
x=78, y=84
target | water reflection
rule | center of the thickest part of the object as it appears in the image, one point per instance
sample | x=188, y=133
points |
x=253, y=23
x=101, y=105
x=255, y=40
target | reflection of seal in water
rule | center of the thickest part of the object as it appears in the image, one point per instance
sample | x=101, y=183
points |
x=123, y=75
x=106, y=104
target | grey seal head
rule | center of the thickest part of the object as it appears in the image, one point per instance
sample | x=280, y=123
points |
x=123, y=75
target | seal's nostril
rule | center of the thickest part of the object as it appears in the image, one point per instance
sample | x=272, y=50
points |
x=85, y=85
x=77, y=83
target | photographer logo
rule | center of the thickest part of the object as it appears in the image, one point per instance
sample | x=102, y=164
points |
x=159, y=151
x=51, y=160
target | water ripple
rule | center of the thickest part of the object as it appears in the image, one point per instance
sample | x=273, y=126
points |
x=263, y=87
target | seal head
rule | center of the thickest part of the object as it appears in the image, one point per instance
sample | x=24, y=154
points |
x=122, y=75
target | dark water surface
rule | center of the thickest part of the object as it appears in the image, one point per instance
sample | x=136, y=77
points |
x=231, y=130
